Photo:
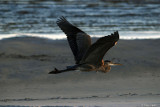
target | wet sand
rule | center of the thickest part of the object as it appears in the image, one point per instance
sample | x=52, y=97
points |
x=26, y=61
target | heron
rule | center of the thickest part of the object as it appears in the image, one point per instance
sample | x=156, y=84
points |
x=88, y=57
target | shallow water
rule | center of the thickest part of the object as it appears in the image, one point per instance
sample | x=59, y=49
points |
x=94, y=17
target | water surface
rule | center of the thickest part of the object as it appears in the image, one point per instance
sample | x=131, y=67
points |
x=96, y=17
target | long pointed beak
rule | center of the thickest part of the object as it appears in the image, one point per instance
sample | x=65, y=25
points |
x=112, y=64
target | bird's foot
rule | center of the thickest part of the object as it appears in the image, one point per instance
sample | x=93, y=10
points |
x=55, y=71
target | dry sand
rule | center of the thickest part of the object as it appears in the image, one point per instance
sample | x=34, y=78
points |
x=26, y=61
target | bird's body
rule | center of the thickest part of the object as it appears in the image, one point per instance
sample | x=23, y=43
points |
x=88, y=57
x=89, y=67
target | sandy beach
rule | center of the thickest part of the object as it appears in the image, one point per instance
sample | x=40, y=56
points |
x=26, y=61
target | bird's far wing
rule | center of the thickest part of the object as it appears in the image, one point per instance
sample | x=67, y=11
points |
x=78, y=40
x=96, y=51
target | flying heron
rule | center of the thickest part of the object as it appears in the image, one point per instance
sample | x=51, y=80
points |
x=87, y=57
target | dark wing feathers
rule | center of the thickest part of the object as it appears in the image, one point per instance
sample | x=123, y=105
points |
x=83, y=43
x=80, y=43
x=67, y=27
x=74, y=38
x=70, y=31
x=96, y=52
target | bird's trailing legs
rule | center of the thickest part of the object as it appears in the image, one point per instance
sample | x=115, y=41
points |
x=56, y=71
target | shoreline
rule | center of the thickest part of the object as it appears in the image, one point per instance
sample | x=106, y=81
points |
x=124, y=35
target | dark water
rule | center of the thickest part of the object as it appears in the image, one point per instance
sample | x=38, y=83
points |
x=93, y=16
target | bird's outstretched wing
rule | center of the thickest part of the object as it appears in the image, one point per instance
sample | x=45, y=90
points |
x=96, y=51
x=78, y=40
